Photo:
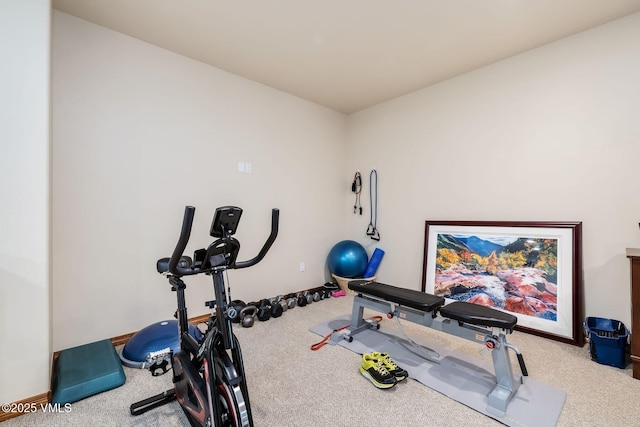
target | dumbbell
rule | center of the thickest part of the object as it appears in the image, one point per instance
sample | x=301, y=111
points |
x=283, y=302
x=247, y=315
x=280, y=301
x=233, y=310
x=309, y=296
x=292, y=300
x=317, y=295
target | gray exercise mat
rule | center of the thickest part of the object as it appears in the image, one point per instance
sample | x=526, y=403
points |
x=459, y=376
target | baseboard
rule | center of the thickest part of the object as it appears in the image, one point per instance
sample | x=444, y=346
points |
x=24, y=406
x=200, y=319
x=123, y=339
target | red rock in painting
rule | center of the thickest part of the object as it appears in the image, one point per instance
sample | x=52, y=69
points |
x=537, y=305
x=481, y=299
x=550, y=287
x=548, y=298
x=527, y=305
x=518, y=305
x=527, y=290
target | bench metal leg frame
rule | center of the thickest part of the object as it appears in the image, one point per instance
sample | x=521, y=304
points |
x=494, y=338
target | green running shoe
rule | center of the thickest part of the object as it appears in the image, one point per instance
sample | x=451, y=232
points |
x=375, y=371
x=395, y=370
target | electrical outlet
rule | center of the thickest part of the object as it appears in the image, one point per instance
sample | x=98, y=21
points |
x=302, y=266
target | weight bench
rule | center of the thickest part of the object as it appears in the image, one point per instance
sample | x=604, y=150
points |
x=466, y=320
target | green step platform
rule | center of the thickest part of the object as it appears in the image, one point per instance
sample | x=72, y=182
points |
x=86, y=370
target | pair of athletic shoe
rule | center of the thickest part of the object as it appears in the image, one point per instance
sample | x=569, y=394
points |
x=381, y=370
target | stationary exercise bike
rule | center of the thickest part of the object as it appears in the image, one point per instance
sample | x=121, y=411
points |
x=208, y=374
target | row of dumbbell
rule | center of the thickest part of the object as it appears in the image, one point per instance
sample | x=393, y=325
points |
x=263, y=310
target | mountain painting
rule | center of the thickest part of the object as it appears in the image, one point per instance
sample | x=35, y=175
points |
x=515, y=274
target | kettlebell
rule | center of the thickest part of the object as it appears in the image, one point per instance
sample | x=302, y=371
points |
x=264, y=310
x=276, y=309
x=247, y=316
x=233, y=310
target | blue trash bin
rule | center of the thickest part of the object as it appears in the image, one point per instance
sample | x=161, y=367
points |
x=608, y=341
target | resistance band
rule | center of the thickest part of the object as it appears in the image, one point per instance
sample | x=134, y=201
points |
x=372, y=230
x=320, y=344
x=356, y=187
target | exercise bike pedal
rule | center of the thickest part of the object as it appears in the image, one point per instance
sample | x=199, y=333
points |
x=159, y=368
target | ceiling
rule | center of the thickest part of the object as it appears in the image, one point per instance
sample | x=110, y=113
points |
x=348, y=54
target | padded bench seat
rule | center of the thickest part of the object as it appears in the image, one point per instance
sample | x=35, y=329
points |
x=465, y=312
x=407, y=297
x=475, y=314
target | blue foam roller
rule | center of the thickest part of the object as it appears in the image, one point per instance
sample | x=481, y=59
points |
x=374, y=263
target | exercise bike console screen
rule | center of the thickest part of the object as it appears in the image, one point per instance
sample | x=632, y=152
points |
x=225, y=221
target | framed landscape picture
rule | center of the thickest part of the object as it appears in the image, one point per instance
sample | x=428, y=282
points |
x=532, y=270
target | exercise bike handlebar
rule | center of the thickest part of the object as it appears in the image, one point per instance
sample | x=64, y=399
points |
x=185, y=233
x=275, y=218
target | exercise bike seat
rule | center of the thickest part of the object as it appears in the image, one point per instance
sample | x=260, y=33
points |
x=480, y=315
x=162, y=265
x=407, y=297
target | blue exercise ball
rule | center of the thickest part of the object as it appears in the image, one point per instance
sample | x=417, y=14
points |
x=348, y=259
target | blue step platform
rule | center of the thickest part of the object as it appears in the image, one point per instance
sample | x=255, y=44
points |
x=86, y=370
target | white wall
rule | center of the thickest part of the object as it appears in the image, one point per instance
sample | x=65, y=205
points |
x=140, y=132
x=552, y=134
x=24, y=189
